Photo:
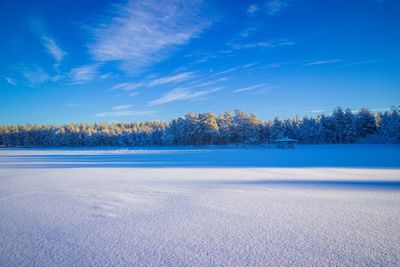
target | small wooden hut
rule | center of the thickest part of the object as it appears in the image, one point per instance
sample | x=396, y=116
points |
x=285, y=142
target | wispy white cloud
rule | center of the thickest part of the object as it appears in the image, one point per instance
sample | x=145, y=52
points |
x=274, y=65
x=84, y=74
x=253, y=8
x=106, y=76
x=245, y=66
x=317, y=110
x=127, y=86
x=10, y=81
x=201, y=94
x=34, y=74
x=178, y=94
x=212, y=82
x=173, y=95
x=125, y=113
x=248, y=88
x=246, y=32
x=263, y=90
x=229, y=51
x=262, y=44
x=134, y=93
x=227, y=71
x=144, y=32
x=204, y=58
x=53, y=48
x=274, y=7
x=171, y=79
x=121, y=107
x=205, y=80
x=379, y=109
x=323, y=62
x=40, y=29
x=372, y=110
x=362, y=62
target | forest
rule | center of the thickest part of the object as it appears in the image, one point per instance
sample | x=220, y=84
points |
x=229, y=128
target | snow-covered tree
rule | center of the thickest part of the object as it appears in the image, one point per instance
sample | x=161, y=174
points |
x=207, y=128
x=338, y=121
x=350, y=129
x=365, y=122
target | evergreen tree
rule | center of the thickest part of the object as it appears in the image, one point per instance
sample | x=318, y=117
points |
x=365, y=123
x=338, y=119
x=277, y=129
x=225, y=127
x=350, y=129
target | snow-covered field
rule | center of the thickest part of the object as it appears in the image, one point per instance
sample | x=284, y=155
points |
x=316, y=205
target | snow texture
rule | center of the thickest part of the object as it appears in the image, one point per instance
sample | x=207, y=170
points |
x=315, y=205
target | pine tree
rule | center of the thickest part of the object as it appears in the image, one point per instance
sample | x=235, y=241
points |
x=338, y=119
x=350, y=129
x=277, y=129
x=365, y=122
x=225, y=126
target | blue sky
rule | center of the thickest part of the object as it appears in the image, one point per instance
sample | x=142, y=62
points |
x=75, y=61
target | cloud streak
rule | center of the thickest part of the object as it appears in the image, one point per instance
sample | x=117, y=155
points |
x=83, y=74
x=274, y=7
x=317, y=111
x=246, y=32
x=125, y=113
x=121, y=107
x=249, y=88
x=362, y=62
x=127, y=86
x=212, y=79
x=253, y=8
x=178, y=94
x=323, y=62
x=10, y=81
x=144, y=32
x=134, y=94
x=53, y=49
x=212, y=82
x=262, y=44
x=171, y=79
x=34, y=74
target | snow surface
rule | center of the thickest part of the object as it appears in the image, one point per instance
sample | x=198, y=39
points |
x=315, y=205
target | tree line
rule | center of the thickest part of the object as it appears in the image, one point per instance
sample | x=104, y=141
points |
x=237, y=128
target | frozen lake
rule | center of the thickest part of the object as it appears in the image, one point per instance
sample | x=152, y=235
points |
x=315, y=205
